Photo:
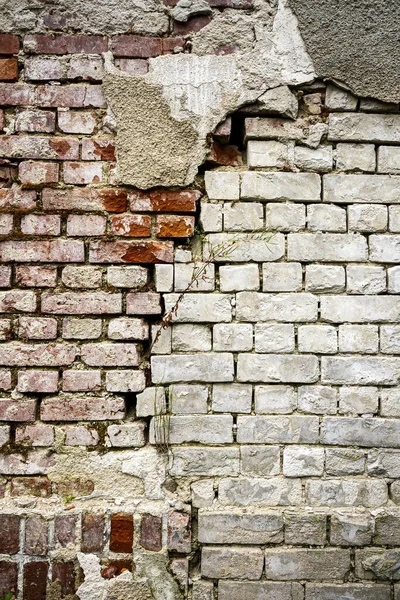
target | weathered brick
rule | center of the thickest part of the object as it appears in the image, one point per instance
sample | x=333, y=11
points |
x=133, y=66
x=8, y=570
x=36, y=535
x=283, y=430
x=151, y=533
x=81, y=329
x=327, y=247
x=35, y=580
x=360, y=370
x=71, y=303
x=164, y=201
x=307, y=564
x=204, y=429
x=15, y=354
x=65, y=44
x=368, y=432
x=377, y=189
x=61, y=148
x=16, y=94
x=198, y=308
x=131, y=252
x=225, y=563
x=5, y=379
x=17, y=410
x=127, y=277
x=9, y=44
x=86, y=199
x=302, y=461
x=17, y=301
x=80, y=173
x=305, y=528
x=39, y=68
x=125, y=381
x=110, y=355
x=128, y=436
x=92, y=532
x=86, y=225
x=36, y=276
x=143, y=303
x=43, y=382
x=131, y=225
x=251, y=590
x=17, y=199
x=359, y=127
x=82, y=409
x=196, y=461
x=64, y=530
x=239, y=528
x=70, y=96
x=200, y=367
x=81, y=277
x=9, y=540
x=121, y=533
x=80, y=436
x=64, y=573
x=38, y=173
x=34, y=435
x=355, y=157
x=357, y=591
x=87, y=68
x=360, y=309
x=8, y=69
x=70, y=121
x=144, y=47
x=365, y=280
x=6, y=224
x=275, y=399
x=37, y=328
x=252, y=306
x=98, y=149
x=42, y=251
x=81, y=381
x=174, y=226
x=346, y=493
x=128, y=329
x=35, y=121
x=5, y=277
x=179, y=533
x=281, y=186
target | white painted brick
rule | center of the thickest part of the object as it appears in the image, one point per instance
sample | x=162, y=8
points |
x=131, y=277
x=262, y=153
x=372, y=189
x=182, y=255
x=150, y=402
x=189, y=337
x=355, y=157
x=358, y=400
x=285, y=217
x=281, y=186
x=164, y=278
x=203, y=429
x=260, y=460
x=390, y=402
x=394, y=219
x=273, y=128
x=186, y=399
x=203, y=494
x=367, y=217
x=360, y=370
x=317, y=338
x=393, y=280
x=368, y=432
x=384, y=248
x=359, y=127
x=294, y=429
x=274, y=337
x=198, y=276
x=125, y=328
x=308, y=159
x=390, y=339
x=322, y=279
x=360, y=309
x=128, y=435
x=389, y=159
x=280, y=101
x=125, y=381
x=263, y=492
x=253, y=306
x=163, y=344
x=211, y=367
x=222, y=185
x=198, y=308
x=233, y=561
x=232, y=397
x=384, y=463
x=233, y=337
x=303, y=461
x=282, y=277
x=365, y=280
x=339, y=99
x=275, y=399
x=238, y=527
x=204, y=461
x=346, y=493
x=317, y=399
x=344, y=461
x=275, y=368
x=358, y=338
x=211, y=216
x=244, y=247
x=243, y=216
x=322, y=217
x=302, y=563
x=327, y=247
x=233, y=278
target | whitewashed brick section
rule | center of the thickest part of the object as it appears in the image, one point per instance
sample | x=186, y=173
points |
x=384, y=248
x=367, y=217
x=368, y=432
x=360, y=309
x=317, y=399
x=394, y=219
x=300, y=563
x=233, y=278
x=374, y=189
x=275, y=337
x=359, y=338
x=358, y=400
x=222, y=185
x=275, y=399
x=189, y=461
x=211, y=216
x=203, y=429
x=263, y=492
x=255, y=590
x=200, y=308
x=233, y=337
x=294, y=429
x=355, y=157
x=325, y=279
x=210, y=367
x=234, y=561
x=317, y=338
x=339, y=99
x=273, y=368
x=282, y=277
x=232, y=397
x=303, y=461
x=344, y=461
x=244, y=247
x=189, y=337
x=260, y=460
x=267, y=154
x=365, y=280
x=321, y=217
x=360, y=370
x=243, y=216
x=285, y=217
x=358, y=591
x=370, y=494
x=390, y=402
x=186, y=399
x=164, y=278
x=359, y=127
x=390, y=339
x=327, y=247
x=253, y=307
x=393, y=280
x=281, y=186
x=219, y=527
x=389, y=159
x=309, y=159
x=194, y=277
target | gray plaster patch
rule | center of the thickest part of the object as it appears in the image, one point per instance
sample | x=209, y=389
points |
x=354, y=42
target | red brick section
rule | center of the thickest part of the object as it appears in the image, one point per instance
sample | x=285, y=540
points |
x=8, y=578
x=144, y=47
x=65, y=44
x=9, y=538
x=64, y=573
x=64, y=530
x=179, y=536
x=174, y=226
x=31, y=486
x=8, y=69
x=35, y=580
x=151, y=533
x=164, y=201
x=92, y=532
x=36, y=536
x=9, y=44
x=121, y=534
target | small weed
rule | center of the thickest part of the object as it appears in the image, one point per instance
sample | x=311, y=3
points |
x=67, y=500
x=9, y=596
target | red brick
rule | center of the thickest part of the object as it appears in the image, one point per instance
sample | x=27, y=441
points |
x=34, y=435
x=131, y=225
x=77, y=122
x=17, y=301
x=193, y=25
x=223, y=131
x=82, y=409
x=151, y=533
x=33, y=173
x=71, y=303
x=70, y=96
x=8, y=69
x=80, y=436
x=143, y=303
x=121, y=534
x=98, y=149
x=115, y=568
x=43, y=382
x=179, y=536
x=131, y=252
x=60, y=148
x=5, y=329
x=110, y=355
x=64, y=530
x=8, y=573
x=31, y=463
x=9, y=44
x=36, y=225
x=136, y=46
x=86, y=225
x=5, y=277
x=36, y=536
x=36, y=121
x=16, y=354
x=174, y=226
x=92, y=532
x=79, y=173
x=36, y=276
x=17, y=410
x=86, y=199
x=16, y=199
x=164, y=201
x=64, y=572
x=133, y=66
x=37, y=328
x=65, y=44
x=81, y=381
x=77, y=486
x=39, y=487
x=5, y=380
x=9, y=538
x=85, y=68
x=39, y=68
x=17, y=94
x=6, y=224
x=170, y=45
x=42, y=251
x=35, y=580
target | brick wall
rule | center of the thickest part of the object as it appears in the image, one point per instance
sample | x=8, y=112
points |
x=258, y=455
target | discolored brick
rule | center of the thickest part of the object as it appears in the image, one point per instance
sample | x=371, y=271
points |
x=92, y=532
x=64, y=530
x=36, y=536
x=179, y=535
x=8, y=574
x=31, y=486
x=121, y=536
x=9, y=538
x=35, y=580
x=65, y=574
x=151, y=533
